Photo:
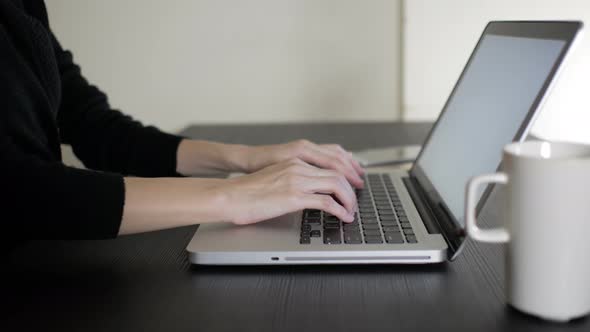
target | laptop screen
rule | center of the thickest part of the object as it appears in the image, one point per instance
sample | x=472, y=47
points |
x=499, y=88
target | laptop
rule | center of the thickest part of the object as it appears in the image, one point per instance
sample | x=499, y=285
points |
x=416, y=216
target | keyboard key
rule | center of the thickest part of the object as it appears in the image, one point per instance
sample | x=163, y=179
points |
x=306, y=227
x=350, y=226
x=331, y=218
x=372, y=232
x=403, y=219
x=312, y=222
x=370, y=226
x=408, y=232
x=305, y=240
x=352, y=232
x=411, y=239
x=373, y=239
x=316, y=233
x=332, y=236
x=370, y=221
x=313, y=213
x=406, y=225
x=394, y=238
x=391, y=228
x=388, y=223
x=353, y=239
x=332, y=226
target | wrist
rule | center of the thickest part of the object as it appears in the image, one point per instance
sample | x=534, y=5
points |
x=237, y=158
x=222, y=197
x=218, y=199
x=195, y=157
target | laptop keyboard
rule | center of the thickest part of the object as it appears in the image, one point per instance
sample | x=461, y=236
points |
x=381, y=218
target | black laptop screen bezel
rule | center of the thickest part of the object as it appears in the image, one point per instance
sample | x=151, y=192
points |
x=451, y=229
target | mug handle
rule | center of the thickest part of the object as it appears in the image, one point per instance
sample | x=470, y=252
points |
x=499, y=234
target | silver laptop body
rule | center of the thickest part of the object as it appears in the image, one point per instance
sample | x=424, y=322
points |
x=493, y=103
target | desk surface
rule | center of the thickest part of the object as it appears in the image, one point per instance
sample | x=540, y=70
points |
x=144, y=282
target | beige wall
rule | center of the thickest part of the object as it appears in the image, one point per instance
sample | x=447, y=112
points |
x=176, y=62
x=440, y=35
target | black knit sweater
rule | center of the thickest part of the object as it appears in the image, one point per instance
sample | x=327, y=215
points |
x=45, y=101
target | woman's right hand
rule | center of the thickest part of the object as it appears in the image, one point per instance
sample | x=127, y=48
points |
x=287, y=187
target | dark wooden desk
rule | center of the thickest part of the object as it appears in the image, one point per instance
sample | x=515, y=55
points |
x=144, y=282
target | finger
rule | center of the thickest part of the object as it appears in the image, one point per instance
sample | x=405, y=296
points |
x=327, y=159
x=335, y=185
x=313, y=171
x=347, y=155
x=357, y=166
x=326, y=203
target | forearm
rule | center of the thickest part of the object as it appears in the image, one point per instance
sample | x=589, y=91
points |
x=159, y=203
x=203, y=157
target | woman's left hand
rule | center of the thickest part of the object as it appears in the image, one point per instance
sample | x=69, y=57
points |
x=327, y=156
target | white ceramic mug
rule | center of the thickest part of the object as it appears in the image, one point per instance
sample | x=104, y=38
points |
x=546, y=224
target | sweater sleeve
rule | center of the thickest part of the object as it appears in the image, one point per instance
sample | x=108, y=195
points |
x=106, y=139
x=47, y=200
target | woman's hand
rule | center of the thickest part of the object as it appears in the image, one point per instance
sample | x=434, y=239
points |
x=285, y=187
x=196, y=158
x=288, y=186
x=327, y=156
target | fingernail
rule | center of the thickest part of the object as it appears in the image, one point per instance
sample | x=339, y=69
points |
x=351, y=216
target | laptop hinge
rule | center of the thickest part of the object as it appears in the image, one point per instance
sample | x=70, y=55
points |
x=424, y=210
